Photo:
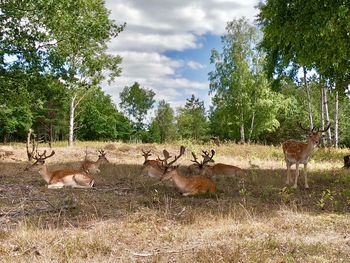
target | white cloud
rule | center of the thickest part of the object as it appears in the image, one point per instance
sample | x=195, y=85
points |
x=156, y=26
x=195, y=65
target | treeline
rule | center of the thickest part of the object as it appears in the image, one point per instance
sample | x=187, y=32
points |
x=53, y=60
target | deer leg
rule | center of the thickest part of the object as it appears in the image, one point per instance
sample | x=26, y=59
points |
x=295, y=186
x=305, y=175
x=188, y=194
x=288, y=172
x=55, y=185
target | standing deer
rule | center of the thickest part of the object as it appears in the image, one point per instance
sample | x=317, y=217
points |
x=297, y=152
x=187, y=185
x=60, y=178
x=216, y=169
x=93, y=167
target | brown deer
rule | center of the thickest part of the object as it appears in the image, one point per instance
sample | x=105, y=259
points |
x=93, y=167
x=60, y=178
x=297, y=152
x=198, y=167
x=187, y=185
x=216, y=169
x=151, y=167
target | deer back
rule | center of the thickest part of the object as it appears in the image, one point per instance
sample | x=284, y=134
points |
x=152, y=171
x=222, y=169
x=192, y=184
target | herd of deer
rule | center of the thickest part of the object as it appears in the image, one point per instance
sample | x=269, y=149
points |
x=295, y=152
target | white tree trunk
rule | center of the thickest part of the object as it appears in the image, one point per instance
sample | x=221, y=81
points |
x=336, y=119
x=322, y=115
x=251, y=127
x=71, y=120
x=327, y=115
x=241, y=130
x=311, y=119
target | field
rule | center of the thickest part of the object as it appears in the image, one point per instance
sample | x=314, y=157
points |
x=133, y=218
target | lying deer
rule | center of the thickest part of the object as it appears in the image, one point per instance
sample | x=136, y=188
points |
x=151, y=167
x=217, y=169
x=93, y=167
x=60, y=178
x=297, y=152
x=187, y=185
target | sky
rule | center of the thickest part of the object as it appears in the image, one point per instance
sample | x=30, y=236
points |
x=166, y=44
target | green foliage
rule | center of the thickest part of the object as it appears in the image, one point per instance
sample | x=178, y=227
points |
x=15, y=113
x=136, y=102
x=243, y=102
x=163, y=125
x=14, y=119
x=52, y=48
x=99, y=119
x=307, y=33
x=327, y=196
x=191, y=120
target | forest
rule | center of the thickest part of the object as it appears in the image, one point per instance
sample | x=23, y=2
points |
x=54, y=60
x=86, y=179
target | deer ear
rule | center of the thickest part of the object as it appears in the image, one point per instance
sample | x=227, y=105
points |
x=182, y=149
x=166, y=153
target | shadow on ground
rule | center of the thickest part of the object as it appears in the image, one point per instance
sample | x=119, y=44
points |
x=121, y=190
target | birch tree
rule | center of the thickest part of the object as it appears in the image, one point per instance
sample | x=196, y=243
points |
x=243, y=104
x=64, y=39
x=310, y=34
x=81, y=30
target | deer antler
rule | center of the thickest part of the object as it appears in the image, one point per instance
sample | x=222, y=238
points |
x=146, y=154
x=102, y=152
x=43, y=156
x=195, y=158
x=206, y=157
x=167, y=156
x=307, y=130
x=326, y=129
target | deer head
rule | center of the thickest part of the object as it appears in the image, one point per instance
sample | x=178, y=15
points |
x=314, y=134
x=206, y=158
x=166, y=166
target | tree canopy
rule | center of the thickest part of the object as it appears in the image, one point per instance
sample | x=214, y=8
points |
x=307, y=33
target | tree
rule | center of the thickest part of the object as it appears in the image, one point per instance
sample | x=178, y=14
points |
x=191, y=120
x=99, y=119
x=136, y=102
x=49, y=109
x=67, y=39
x=320, y=39
x=163, y=125
x=15, y=113
x=243, y=102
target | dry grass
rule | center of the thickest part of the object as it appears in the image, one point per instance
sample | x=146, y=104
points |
x=130, y=218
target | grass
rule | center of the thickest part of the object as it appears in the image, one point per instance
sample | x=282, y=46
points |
x=128, y=217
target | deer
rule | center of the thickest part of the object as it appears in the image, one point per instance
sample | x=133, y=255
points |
x=151, y=167
x=298, y=152
x=93, y=167
x=198, y=167
x=60, y=178
x=147, y=161
x=216, y=169
x=186, y=185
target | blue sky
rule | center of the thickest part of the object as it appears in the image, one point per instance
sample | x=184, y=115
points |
x=200, y=55
x=166, y=44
